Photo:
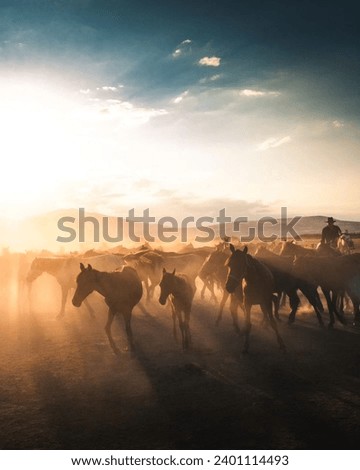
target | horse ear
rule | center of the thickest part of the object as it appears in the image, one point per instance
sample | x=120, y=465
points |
x=245, y=250
x=232, y=248
x=82, y=267
x=89, y=267
x=174, y=271
x=164, y=270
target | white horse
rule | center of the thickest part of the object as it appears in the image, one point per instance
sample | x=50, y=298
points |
x=345, y=245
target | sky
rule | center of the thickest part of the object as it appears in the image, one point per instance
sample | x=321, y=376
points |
x=181, y=107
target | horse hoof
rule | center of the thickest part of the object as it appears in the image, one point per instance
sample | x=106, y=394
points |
x=330, y=326
x=322, y=326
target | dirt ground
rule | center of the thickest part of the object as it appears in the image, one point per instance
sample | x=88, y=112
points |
x=63, y=388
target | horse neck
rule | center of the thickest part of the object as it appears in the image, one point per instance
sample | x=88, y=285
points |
x=50, y=265
x=177, y=287
x=252, y=271
x=101, y=285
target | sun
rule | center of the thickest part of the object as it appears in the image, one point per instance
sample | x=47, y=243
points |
x=37, y=145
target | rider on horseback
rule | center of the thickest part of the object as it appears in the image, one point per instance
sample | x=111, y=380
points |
x=331, y=233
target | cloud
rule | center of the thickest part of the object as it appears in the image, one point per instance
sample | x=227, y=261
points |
x=257, y=93
x=117, y=112
x=109, y=88
x=213, y=78
x=143, y=183
x=210, y=61
x=338, y=124
x=273, y=142
x=182, y=49
x=129, y=115
x=85, y=91
x=179, y=98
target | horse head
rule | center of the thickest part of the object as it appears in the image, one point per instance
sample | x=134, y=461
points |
x=166, y=285
x=238, y=266
x=86, y=283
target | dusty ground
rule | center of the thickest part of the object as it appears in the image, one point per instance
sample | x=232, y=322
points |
x=63, y=388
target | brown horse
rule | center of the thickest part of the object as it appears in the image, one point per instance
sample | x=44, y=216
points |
x=181, y=291
x=257, y=288
x=287, y=283
x=214, y=271
x=335, y=275
x=65, y=270
x=121, y=290
x=148, y=265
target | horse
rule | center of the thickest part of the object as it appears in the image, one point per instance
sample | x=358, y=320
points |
x=345, y=245
x=214, y=270
x=122, y=290
x=148, y=265
x=335, y=275
x=286, y=282
x=188, y=263
x=65, y=270
x=257, y=288
x=321, y=249
x=181, y=290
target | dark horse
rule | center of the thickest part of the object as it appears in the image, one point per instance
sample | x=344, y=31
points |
x=181, y=291
x=257, y=288
x=121, y=290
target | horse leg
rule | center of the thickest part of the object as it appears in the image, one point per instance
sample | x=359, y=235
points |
x=312, y=295
x=64, y=293
x=203, y=289
x=174, y=316
x=222, y=305
x=247, y=327
x=276, y=300
x=129, y=335
x=294, y=304
x=113, y=346
x=234, y=302
x=340, y=303
x=211, y=289
x=330, y=307
x=339, y=315
x=267, y=310
x=356, y=305
x=182, y=327
x=318, y=302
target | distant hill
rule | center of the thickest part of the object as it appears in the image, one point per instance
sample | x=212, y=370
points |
x=314, y=225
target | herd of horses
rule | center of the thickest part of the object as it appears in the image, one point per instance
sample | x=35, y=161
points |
x=249, y=275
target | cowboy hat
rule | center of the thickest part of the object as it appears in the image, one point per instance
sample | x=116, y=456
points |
x=330, y=219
